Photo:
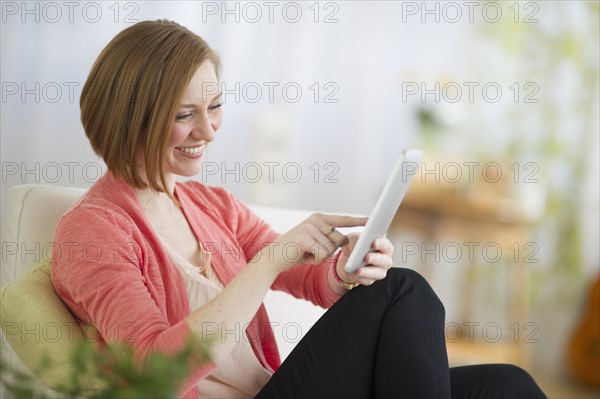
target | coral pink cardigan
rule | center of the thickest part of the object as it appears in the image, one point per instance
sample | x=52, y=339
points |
x=109, y=267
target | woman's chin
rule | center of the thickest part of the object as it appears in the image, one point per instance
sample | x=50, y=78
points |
x=189, y=173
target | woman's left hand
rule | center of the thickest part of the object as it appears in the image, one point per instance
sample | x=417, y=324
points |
x=378, y=262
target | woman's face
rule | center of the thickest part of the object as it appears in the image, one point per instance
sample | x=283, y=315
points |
x=198, y=118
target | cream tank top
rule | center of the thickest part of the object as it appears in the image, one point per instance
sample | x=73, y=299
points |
x=241, y=375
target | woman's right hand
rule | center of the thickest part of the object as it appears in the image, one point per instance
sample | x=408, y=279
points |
x=312, y=241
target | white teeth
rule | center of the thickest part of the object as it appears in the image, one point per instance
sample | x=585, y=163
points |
x=191, y=150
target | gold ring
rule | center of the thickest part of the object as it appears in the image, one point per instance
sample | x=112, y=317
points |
x=330, y=231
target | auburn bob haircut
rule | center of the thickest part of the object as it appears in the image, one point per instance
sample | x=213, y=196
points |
x=132, y=94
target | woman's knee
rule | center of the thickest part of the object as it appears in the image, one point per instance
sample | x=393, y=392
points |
x=409, y=282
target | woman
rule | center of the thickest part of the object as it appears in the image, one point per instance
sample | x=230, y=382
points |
x=156, y=262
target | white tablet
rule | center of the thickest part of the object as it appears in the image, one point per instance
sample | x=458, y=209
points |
x=386, y=207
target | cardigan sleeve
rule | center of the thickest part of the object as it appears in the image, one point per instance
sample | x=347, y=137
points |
x=102, y=273
x=308, y=281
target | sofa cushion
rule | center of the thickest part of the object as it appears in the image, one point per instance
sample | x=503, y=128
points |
x=38, y=326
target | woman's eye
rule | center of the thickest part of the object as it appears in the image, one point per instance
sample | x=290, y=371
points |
x=216, y=106
x=183, y=117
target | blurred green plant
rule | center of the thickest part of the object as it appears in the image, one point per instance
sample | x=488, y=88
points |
x=429, y=125
x=114, y=371
x=544, y=51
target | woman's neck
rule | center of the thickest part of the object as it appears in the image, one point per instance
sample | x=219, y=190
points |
x=152, y=200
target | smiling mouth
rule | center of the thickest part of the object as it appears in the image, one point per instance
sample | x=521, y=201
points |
x=191, y=150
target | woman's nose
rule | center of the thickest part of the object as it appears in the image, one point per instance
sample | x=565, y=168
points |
x=204, y=130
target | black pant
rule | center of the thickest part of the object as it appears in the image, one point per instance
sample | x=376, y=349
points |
x=387, y=341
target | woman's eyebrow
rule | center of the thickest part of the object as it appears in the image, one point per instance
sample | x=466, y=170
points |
x=215, y=97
